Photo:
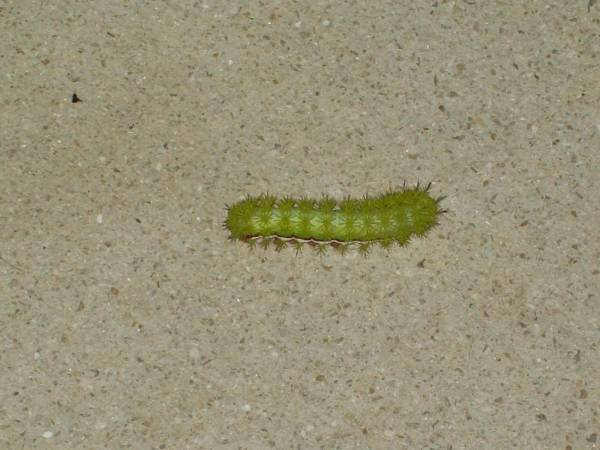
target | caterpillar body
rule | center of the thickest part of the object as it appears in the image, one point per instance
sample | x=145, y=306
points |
x=393, y=217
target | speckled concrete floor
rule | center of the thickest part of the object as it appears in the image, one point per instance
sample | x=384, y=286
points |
x=129, y=321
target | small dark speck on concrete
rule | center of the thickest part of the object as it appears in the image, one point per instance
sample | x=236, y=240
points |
x=75, y=99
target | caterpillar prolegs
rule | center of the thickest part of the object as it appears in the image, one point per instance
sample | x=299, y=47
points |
x=393, y=217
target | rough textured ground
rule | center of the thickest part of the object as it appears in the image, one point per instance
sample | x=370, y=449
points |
x=128, y=320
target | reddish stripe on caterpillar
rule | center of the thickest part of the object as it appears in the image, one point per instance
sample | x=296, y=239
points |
x=393, y=217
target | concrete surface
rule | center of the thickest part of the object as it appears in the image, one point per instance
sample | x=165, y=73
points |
x=129, y=321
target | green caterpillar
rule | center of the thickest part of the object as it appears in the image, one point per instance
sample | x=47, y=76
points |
x=390, y=218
